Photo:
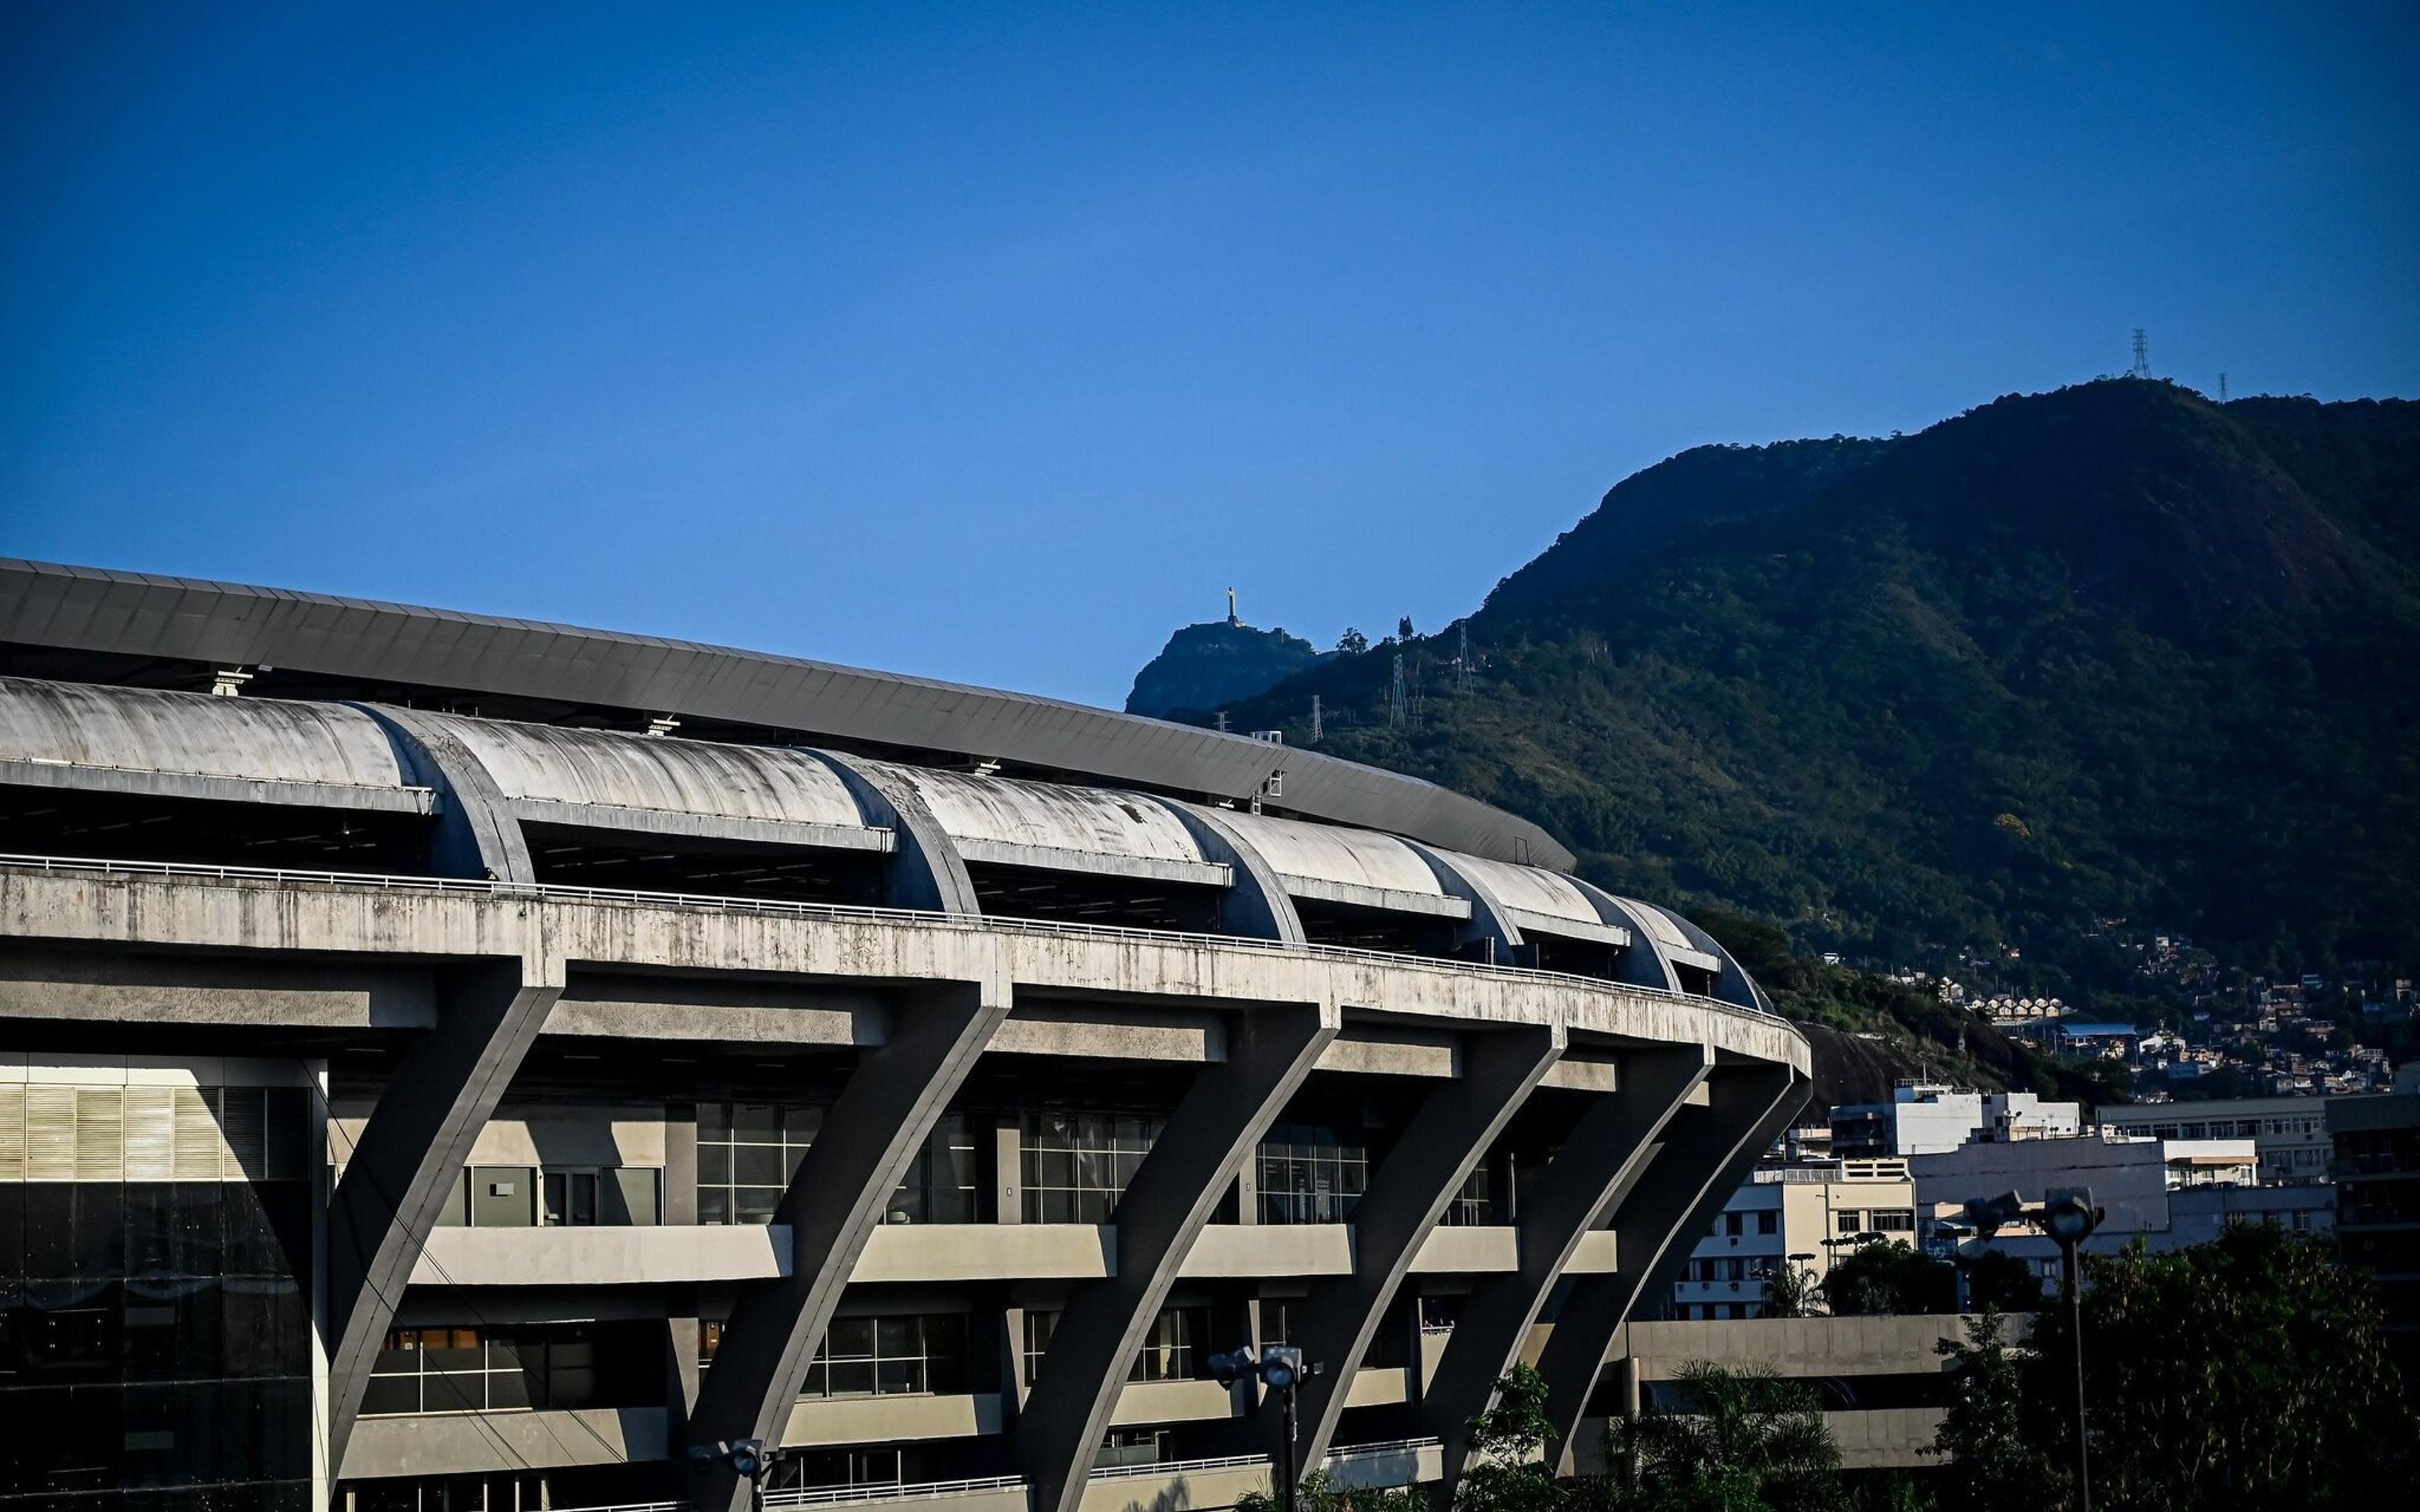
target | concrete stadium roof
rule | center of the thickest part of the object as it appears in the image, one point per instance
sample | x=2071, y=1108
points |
x=192, y=745
x=126, y=614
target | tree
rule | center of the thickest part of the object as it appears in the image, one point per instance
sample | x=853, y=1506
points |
x=1352, y=642
x=1982, y=1431
x=1404, y=629
x=1997, y=1280
x=1886, y=1276
x=1509, y=1469
x=1790, y=1291
x=2248, y=1372
x=1319, y=1492
x=1738, y=1440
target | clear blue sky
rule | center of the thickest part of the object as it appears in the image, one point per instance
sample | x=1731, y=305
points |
x=991, y=342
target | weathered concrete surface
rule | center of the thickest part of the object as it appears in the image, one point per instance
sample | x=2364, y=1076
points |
x=219, y=915
x=471, y=1443
x=602, y=1254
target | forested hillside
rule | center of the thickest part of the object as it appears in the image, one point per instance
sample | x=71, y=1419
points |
x=2112, y=653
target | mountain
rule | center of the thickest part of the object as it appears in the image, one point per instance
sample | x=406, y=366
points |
x=1203, y=667
x=2107, y=654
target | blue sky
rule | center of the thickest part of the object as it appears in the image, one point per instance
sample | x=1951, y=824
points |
x=991, y=342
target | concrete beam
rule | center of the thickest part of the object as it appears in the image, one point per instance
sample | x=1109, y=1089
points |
x=477, y=833
x=925, y=871
x=1407, y=1192
x=409, y=1155
x=1490, y=925
x=884, y=1114
x=1602, y=1156
x=1256, y=903
x=1706, y=1153
x=1216, y=1125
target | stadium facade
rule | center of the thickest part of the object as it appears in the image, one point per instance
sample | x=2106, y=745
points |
x=450, y=1062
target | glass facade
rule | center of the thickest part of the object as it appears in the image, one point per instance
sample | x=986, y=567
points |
x=747, y=1153
x=1311, y=1174
x=1074, y=1167
x=155, y=1333
x=488, y=1369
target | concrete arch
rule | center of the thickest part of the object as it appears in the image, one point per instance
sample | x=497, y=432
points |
x=1256, y=903
x=1408, y=1192
x=1222, y=1116
x=476, y=832
x=1600, y=1160
x=1705, y=1155
x=926, y=869
x=1490, y=927
x=1644, y=965
x=885, y=1113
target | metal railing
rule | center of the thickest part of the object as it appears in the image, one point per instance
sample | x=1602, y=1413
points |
x=834, y=1495
x=921, y=1490
x=837, y=913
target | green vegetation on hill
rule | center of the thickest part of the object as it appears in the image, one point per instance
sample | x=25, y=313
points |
x=2110, y=652
x=1203, y=667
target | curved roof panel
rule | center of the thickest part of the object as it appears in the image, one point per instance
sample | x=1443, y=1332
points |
x=760, y=788
x=376, y=647
x=1328, y=863
x=1055, y=826
x=72, y=734
x=1540, y=899
x=1671, y=937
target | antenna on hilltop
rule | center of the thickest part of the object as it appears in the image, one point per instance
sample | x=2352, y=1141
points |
x=2221, y=387
x=2142, y=354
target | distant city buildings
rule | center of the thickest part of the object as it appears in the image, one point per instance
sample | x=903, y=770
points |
x=1803, y=1215
x=2289, y=1133
x=1924, y=1117
x=2376, y=1145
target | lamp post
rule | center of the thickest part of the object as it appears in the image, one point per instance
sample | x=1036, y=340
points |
x=1280, y=1367
x=2070, y=1220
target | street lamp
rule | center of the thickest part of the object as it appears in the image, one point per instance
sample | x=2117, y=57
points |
x=748, y=1459
x=1280, y=1367
x=2070, y=1219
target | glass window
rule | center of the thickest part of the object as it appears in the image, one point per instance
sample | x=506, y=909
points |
x=1473, y=1204
x=746, y=1154
x=1311, y=1174
x=1172, y=1350
x=914, y=1355
x=942, y=1184
x=1768, y=1223
x=1074, y=1167
x=1851, y=1221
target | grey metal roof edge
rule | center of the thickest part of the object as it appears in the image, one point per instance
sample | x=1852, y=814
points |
x=50, y=603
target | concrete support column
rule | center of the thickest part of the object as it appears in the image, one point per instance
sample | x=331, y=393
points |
x=1220, y=1119
x=412, y=1153
x=1598, y=1160
x=1408, y=1192
x=1705, y=1155
x=884, y=1114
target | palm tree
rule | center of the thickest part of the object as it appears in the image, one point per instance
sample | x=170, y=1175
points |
x=1737, y=1439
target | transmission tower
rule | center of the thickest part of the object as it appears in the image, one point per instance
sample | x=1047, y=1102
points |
x=2142, y=354
x=1314, y=719
x=1462, y=660
x=1395, y=703
x=2221, y=387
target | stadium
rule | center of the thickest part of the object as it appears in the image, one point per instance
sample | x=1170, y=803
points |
x=464, y=1062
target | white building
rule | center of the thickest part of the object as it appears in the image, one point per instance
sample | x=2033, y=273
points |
x=2168, y=1193
x=1926, y=1117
